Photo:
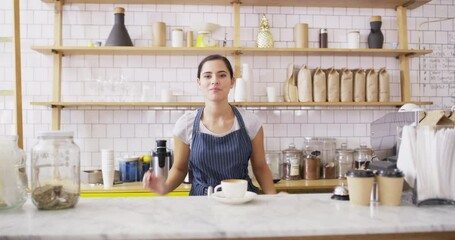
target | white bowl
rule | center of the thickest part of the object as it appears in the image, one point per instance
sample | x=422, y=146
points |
x=205, y=27
x=410, y=107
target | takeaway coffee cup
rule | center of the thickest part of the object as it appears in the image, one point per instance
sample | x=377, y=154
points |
x=233, y=188
x=390, y=185
x=360, y=184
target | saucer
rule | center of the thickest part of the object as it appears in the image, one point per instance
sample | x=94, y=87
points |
x=219, y=196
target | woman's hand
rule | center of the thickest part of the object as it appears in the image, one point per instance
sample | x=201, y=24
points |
x=154, y=184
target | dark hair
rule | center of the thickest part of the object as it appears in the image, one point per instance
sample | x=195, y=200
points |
x=215, y=57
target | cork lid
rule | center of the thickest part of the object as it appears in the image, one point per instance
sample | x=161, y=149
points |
x=119, y=10
x=375, y=19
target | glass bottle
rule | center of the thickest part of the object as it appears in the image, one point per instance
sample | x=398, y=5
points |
x=345, y=159
x=291, y=163
x=13, y=178
x=119, y=35
x=55, y=171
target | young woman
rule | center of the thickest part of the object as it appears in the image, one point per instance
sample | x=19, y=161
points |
x=217, y=141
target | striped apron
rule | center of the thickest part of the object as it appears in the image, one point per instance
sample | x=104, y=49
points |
x=213, y=158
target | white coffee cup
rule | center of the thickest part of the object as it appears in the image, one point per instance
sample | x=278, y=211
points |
x=233, y=188
x=272, y=94
x=167, y=95
x=107, y=167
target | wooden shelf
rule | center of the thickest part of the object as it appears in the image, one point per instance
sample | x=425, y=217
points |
x=335, y=52
x=70, y=50
x=240, y=104
x=410, y=4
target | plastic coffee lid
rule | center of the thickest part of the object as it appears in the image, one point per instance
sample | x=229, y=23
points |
x=56, y=134
x=390, y=173
x=360, y=173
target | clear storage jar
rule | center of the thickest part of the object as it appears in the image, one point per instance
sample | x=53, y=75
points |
x=292, y=158
x=327, y=147
x=13, y=178
x=55, y=171
x=345, y=160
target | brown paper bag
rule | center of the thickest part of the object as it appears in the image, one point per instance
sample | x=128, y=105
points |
x=305, y=85
x=291, y=93
x=360, y=86
x=384, y=85
x=436, y=117
x=372, y=85
x=346, y=93
x=319, y=86
x=333, y=85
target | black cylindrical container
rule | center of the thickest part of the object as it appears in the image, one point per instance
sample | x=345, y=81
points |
x=119, y=35
x=375, y=38
x=323, y=38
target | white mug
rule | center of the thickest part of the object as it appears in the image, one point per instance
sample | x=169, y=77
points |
x=233, y=188
x=272, y=94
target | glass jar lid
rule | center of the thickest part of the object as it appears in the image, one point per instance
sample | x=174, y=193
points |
x=292, y=150
x=360, y=173
x=56, y=134
x=344, y=149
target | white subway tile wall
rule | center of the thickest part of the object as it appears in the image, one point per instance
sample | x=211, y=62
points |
x=133, y=130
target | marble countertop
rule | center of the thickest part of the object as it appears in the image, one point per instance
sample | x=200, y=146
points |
x=283, y=215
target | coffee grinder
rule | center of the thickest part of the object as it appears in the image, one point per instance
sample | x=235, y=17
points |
x=161, y=159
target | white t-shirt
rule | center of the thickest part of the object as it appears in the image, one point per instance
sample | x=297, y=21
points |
x=184, y=126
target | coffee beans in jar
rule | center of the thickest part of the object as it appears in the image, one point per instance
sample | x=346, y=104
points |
x=312, y=165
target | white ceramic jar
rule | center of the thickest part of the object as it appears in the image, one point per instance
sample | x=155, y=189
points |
x=177, y=37
x=354, y=39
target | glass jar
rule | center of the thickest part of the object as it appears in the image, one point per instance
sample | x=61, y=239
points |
x=55, y=171
x=312, y=164
x=327, y=148
x=273, y=160
x=291, y=163
x=345, y=159
x=13, y=178
x=362, y=157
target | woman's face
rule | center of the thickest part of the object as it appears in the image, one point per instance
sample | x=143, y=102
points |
x=215, y=80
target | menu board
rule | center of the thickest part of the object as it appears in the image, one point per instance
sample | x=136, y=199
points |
x=437, y=72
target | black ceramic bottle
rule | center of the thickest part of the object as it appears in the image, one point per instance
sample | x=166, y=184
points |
x=119, y=35
x=375, y=38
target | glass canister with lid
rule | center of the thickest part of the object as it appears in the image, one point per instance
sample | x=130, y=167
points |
x=292, y=158
x=327, y=147
x=311, y=164
x=362, y=157
x=13, y=178
x=55, y=171
x=345, y=159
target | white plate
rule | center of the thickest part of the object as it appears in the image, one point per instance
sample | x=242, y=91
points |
x=219, y=196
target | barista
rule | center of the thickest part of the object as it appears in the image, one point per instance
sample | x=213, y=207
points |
x=216, y=141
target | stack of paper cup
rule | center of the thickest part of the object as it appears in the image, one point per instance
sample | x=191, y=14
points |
x=107, y=167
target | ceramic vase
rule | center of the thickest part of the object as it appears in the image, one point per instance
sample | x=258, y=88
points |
x=119, y=35
x=375, y=38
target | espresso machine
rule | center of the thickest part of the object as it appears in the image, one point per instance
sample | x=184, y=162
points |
x=161, y=159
